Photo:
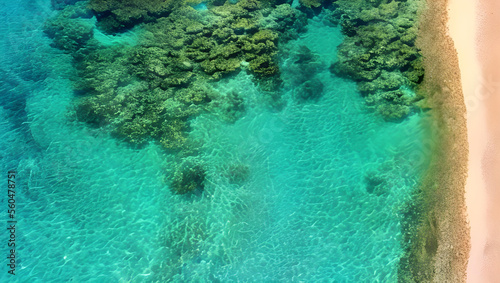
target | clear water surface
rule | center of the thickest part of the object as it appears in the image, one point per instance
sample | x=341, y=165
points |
x=321, y=202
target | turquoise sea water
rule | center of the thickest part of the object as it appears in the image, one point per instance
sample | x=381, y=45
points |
x=326, y=179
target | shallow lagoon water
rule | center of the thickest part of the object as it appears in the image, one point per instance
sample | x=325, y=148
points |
x=326, y=181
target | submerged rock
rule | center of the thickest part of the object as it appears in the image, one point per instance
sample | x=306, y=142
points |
x=311, y=90
x=188, y=177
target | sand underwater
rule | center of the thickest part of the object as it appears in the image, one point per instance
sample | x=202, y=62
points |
x=223, y=141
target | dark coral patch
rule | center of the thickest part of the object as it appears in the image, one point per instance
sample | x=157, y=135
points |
x=379, y=52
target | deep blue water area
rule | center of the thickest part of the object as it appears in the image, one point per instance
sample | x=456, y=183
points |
x=309, y=192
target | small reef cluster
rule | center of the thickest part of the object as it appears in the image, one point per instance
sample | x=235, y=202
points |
x=145, y=68
x=379, y=52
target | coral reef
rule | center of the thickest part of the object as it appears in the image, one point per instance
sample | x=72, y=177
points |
x=150, y=90
x=379, y=52
x=71, y=28
x=311, y=3
x=116, y=15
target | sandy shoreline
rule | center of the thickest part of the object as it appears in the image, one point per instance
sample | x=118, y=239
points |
x=441, y=248
x=473, y=27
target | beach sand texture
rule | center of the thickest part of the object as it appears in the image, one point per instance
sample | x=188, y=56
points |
x=474, y=29
x=445, y=238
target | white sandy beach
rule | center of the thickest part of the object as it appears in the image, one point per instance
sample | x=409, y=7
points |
x=473, y=26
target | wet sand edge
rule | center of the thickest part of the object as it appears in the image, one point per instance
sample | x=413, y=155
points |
x=445, y=183
x=440, y=250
